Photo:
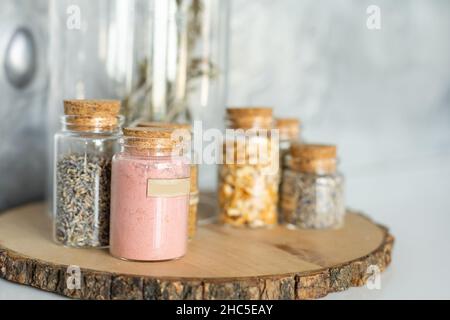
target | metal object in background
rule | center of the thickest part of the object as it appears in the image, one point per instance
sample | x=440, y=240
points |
x=20, y=58
x=23, y=86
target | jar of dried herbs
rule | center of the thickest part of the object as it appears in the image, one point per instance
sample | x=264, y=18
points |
x=82, y=173
x=249, y=175
x=150, y=195
x=194, y=198
x=312, y=191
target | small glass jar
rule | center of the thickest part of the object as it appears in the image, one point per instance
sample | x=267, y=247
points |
x=249, y=175
x=150, y=196
x=312, y=191
x=194, y=170
x=82, y=173
x=289, y=132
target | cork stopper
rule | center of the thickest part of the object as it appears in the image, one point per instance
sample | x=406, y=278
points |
x=250, y=112
x=150, y=133
x=185, y=126
x=313, y=158
x=155, y=138
x=250, y=117
x=91, y=115
x=92, y=107
x=289, y=128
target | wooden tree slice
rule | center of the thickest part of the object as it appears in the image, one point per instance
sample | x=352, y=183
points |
x=222, y=262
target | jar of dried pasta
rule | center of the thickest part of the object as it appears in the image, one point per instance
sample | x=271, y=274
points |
x=249, y=175
x=194, y=191
x=313, y=190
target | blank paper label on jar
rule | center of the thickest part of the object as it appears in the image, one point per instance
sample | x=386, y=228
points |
x=168, y=187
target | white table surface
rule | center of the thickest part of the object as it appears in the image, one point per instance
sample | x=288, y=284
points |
x=414, y=203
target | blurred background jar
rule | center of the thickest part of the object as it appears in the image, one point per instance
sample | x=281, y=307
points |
x=164, y=59
x=313, y=190
x=249, y=175
x=289, y=132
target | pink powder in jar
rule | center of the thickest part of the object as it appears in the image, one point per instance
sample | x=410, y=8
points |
x=144, y=227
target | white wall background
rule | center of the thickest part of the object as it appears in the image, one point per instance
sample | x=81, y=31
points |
x=382, y=95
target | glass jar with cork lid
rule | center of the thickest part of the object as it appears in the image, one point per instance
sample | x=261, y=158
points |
x=249, y=174
x=289, y=132
x=313, y=190
x=82, y=173
x=194, y=191
x=150, y=195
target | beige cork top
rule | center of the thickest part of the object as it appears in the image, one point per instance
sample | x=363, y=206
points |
x=251, y=117
x=313, y=158
x=185, y=126
x=289, y=127
x=249, y=112
x=92, y=107
x=92, y=115
x=313, y=151
x=287, y=122
x=150, y=133
x=155, y=138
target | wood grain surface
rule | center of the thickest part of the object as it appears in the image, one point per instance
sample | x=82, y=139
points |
x=222, y=262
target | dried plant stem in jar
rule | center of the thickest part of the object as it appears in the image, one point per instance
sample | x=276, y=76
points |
x=312, y=194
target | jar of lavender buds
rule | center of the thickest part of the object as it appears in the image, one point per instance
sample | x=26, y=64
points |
x=82, y=173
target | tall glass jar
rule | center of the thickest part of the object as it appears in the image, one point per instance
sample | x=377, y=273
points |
x=82, y=172
x=249, y=175
x=165, y=59
x=150, y=195
x=194, y=198
x=313, y=190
